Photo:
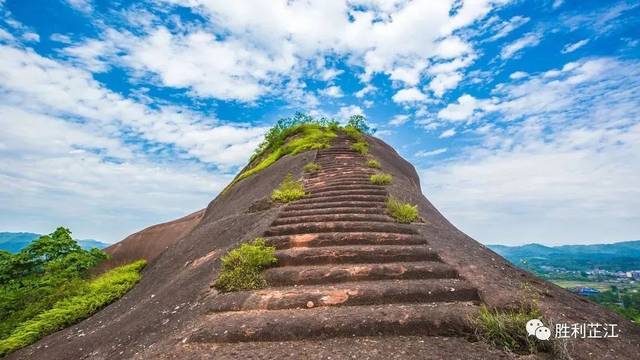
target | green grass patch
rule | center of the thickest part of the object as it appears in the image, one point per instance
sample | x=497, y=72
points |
x=506, y=330
x=373, y=163
x=289, y=190
x=312, y=167
x=98, y=293
x=403, y=212
x=361, y=147
x=381, y=179
x=242, y=267
x=301, y=132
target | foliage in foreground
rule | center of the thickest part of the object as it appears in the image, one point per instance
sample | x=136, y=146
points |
x=506, y=330
x=93, y=296
x=402, y=212
x=289, y=190
x=381, y=179
x=242, y=267
x=312, y=167
x=373, y=163
x=51, y=268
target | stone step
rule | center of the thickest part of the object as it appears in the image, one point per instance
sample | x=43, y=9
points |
x=334, y=204
x=354, y=254
x=316, y=185
x=437, y=319
x=338, y=226
x=344, y=239
x=331, y=218
x=346, y=294
x=362, y=198
x=336, y=273
x=367, y=186
x=332, y=193
x=338, y=177
x=328, y=211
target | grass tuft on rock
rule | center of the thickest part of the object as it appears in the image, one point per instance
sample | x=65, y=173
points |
x=506, y=330
x=289, y=190
x=99, y=293
x=242, y=267
x=381, y=179
x=373, y=163
x=402, y=212
x=312, y=167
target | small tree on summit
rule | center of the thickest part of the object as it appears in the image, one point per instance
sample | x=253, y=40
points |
x=360, y=122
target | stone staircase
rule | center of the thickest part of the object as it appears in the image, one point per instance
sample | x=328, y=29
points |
x=345, y=268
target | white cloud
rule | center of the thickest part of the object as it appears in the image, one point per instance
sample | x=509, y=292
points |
x=435, y=152
x=65, y=39
x=332, y=91
x=463, y=109
x=559, y=160
x=46, y=86
x=443, y=82
x=507, y=27
x=575, y=46
x=409, y=95
x=447, y=133
x=528, y=40
x=399, y=119
x=347, y=111
x=365, y=90
x=31, y=36
x=329, y=74
x=245, y=51
x=557, y=3
x=81, y=5
x=518, y=75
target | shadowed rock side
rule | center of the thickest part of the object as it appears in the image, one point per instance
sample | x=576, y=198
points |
x=151, y=242
x=345, y=268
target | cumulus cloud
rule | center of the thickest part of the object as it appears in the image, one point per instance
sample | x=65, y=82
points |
x=409, y=95
x=399, y=119
x=562, y=148
x=447, y=133
x=259, y=52
x=332, y=91
x=528, y=40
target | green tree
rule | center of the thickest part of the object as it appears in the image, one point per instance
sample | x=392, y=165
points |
x=360, y=122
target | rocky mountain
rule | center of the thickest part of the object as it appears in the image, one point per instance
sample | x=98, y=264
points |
x=350, y=282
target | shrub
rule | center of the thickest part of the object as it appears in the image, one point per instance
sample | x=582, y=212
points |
x=242, y=267
x=373, y=163
x=381, y=179
x=361, y=147
x=99, y=293
x=403, y=212
x=506, y=330
x=312, y=167
x=289, y=190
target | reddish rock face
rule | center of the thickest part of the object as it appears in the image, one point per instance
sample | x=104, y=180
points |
x=149, y=243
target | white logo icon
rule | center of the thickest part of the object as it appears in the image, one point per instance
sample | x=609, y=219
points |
x=537, y=328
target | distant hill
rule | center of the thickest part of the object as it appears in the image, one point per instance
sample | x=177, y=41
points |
x=621, y=256
x=15, y=241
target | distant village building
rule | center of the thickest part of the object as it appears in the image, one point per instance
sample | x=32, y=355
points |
x=586, y=291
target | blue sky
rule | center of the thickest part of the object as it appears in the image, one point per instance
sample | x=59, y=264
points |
x=521, y=117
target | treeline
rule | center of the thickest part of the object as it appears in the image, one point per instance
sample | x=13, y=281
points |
x=47, y=286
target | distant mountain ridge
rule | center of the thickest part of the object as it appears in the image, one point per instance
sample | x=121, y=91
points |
x=621, y=256
x=16, y=241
